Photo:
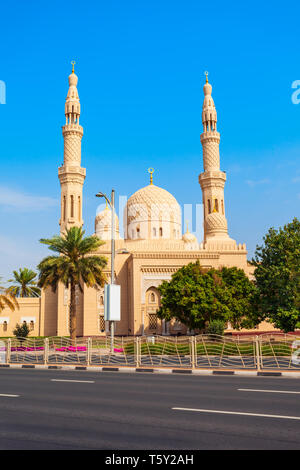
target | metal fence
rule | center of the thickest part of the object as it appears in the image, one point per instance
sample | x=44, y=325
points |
x=203, y=351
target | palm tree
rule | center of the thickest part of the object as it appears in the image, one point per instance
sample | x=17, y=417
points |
x=74, y=266
x=7, y=299
x=26, y=286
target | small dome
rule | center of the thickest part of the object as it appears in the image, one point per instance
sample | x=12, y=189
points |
x=103, y=225
x=190, y=241
x=152, y=212
x=189, y=238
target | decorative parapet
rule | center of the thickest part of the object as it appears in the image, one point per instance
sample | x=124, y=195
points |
x=170, y=255
x=160, y=269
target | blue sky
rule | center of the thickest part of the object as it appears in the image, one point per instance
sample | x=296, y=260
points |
x=141, y=74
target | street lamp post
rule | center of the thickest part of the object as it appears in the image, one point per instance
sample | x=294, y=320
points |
x=112, y=272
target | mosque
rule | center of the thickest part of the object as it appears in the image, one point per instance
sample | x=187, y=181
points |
x=149, y=251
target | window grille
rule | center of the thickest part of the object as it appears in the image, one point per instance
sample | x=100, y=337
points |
x=152, y=321
x=102, y=323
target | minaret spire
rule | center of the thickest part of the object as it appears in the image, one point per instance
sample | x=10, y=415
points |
x=71, y=174
x=212, y=180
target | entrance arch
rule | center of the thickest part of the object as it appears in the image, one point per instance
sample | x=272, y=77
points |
x=152, y=304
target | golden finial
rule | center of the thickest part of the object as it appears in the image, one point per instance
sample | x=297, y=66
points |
x=73, y=63
x=151, y=171
x=206, y=74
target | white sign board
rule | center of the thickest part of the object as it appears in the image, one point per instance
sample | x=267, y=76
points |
x=2, y=352
x=112, y=302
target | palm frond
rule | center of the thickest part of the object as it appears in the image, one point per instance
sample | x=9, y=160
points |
x=24, y=284
x=7, y=299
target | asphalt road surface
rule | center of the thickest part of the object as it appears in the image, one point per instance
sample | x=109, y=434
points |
x=41, y=409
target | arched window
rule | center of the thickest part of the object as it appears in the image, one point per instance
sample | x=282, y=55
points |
x=154, y=232
x=138, y=233
x=209, y=208
x=160, y=232
x=64, y=208
x=72, y=206
x=216, y=208
x=79, y=208
x=101, y=300
x=5, y=325
x=31, y=326
x=152, y=297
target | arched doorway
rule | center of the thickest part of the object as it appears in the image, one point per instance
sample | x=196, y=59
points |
x=152, y=303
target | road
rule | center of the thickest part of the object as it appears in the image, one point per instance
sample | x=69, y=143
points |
x=42, y=409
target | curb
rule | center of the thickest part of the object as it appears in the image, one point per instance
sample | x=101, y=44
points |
x=245, y=373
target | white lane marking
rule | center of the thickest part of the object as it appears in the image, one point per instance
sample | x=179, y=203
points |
x=6, y=395
x=79, y=381
x=238, y=413
x=267, y=391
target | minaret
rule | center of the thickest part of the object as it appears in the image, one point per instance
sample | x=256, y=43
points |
x=212, y=180
x=71, y=174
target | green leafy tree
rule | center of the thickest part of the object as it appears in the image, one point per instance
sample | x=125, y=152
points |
x=26, y=285
x=21, y=331
x=277, y=274
x=75, y=265
x=197, y=297
x=240, y=297
x=215, y=327
x=7, y=299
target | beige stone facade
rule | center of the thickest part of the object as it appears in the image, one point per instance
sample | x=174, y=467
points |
x=151, y=249
x=29, y=311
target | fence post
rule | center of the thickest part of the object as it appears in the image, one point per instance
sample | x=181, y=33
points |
x=89, y=343
x=192, y=349
x=46, y=350
x=257, y=353
x=138, y=344
x=8, y=350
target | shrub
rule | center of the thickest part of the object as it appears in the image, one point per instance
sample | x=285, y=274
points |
x=215, y=327
x=21, y=331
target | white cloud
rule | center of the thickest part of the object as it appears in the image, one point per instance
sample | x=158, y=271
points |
x=24, y=202
x=253, y=183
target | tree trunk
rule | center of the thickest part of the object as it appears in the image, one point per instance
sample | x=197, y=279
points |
x=73, y=312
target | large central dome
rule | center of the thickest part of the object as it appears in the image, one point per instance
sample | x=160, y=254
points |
x=152, y=213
